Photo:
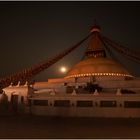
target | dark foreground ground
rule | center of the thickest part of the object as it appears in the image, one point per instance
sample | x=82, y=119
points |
x=27, y=126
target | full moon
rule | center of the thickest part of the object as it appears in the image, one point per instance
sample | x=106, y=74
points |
x=63, y=69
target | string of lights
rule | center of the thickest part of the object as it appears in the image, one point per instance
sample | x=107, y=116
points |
x=125, y=51
x=27, y=74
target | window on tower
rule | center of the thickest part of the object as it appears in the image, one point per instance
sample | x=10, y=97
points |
x=108, y=104
x=84, y=103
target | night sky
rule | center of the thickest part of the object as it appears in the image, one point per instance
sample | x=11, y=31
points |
x=31, y=32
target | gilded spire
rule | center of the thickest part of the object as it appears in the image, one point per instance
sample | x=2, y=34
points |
x=95, y=46
x=95, y=27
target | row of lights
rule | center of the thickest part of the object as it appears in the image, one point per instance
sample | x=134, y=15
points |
x=98, y=74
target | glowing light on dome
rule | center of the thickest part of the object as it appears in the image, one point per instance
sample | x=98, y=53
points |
x=98, y=74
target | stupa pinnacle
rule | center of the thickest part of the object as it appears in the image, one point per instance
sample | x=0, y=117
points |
x=96, y=62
